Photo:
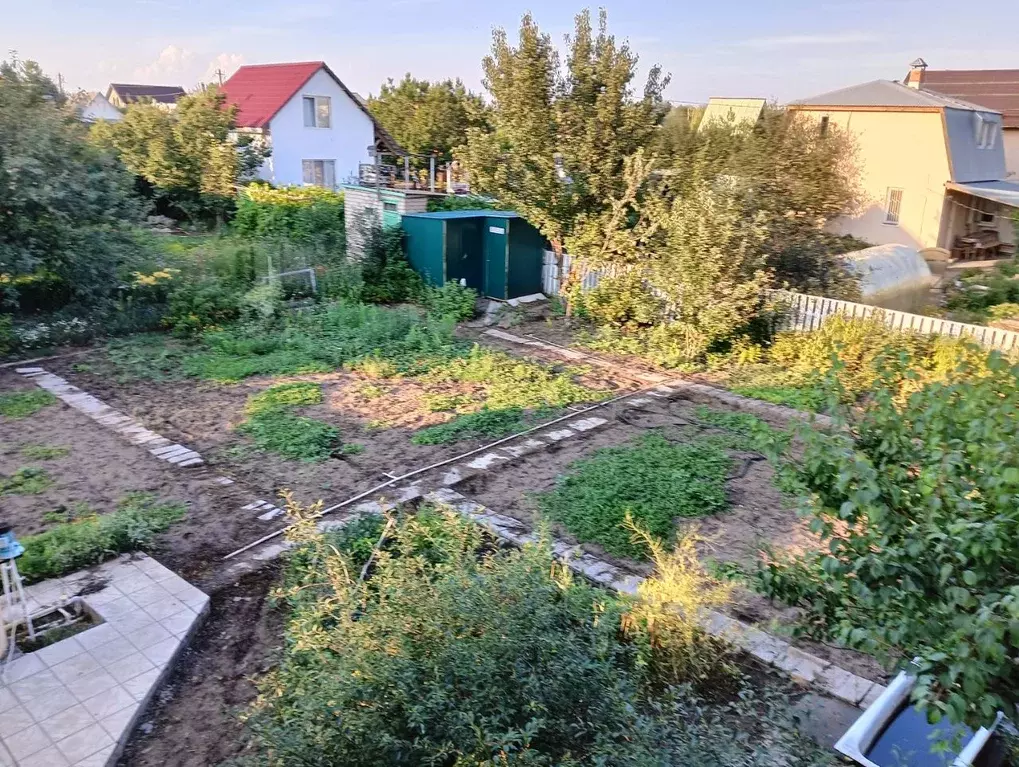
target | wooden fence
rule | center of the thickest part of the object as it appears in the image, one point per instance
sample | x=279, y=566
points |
x=808, y=312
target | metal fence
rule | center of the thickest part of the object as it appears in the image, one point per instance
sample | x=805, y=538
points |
x=807, y=312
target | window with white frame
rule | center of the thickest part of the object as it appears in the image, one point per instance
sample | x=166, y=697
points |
x=986, y=132
x=319, y=173
x=318, y=111
x=893, y=205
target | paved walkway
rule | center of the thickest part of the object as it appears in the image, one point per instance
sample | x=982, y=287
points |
x=75, y=702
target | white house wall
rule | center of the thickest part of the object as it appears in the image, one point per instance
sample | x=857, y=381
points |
x=346, y=141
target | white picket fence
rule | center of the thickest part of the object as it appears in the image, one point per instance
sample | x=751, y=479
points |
x=807, y=312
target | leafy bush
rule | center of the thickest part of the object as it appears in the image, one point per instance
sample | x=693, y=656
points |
x=386, y=275
x=915, y=507
x=650, y=478
x=451, y=300
x=22, y=404
x=274, y=427
x=95, y=537
x=1003, y=311
x=300, y=213
x=622, y=301
x=25, y=481
x=200, y=305
x=461, y=202
x=457, y=652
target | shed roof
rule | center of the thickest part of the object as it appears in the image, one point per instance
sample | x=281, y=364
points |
x=133, y=92
x=449, y=214
x=888, y=94
x=996, y=89
x=1005, y=192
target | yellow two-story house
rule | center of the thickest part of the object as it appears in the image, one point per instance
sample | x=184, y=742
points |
x=931, y=167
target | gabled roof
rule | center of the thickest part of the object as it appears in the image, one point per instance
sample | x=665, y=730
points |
x=161, y=94
x=260, y=91
x=887, y=94
x=995, y=89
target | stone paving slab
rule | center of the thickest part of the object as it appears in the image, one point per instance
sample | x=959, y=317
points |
x=104, y=415
x=75, y=702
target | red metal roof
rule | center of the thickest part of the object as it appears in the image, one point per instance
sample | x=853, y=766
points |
x=261, y=90
x=996, y=89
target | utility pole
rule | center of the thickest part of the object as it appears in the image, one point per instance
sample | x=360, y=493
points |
x=60, y=83
x=219, y=74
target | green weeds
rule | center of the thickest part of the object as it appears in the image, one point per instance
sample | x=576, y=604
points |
x=481, y=424
x=27, y=480
x=44, y=452
x=24, y=403
x=91, y=538
x=274, y=427
x=651, y=478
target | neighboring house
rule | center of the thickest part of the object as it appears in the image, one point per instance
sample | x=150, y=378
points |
x=317, y=129
x=996, y=89
x=931, y=167
x=98, y=108
x=122, y=94
x=741, y=113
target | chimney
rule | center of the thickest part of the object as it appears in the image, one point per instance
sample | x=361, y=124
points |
x=916, y=72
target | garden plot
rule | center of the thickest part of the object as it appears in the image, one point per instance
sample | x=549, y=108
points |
x=59, y=466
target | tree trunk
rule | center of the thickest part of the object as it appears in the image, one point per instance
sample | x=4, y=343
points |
x=563, y=274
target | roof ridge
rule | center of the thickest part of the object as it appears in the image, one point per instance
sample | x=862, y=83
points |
x=283, y=64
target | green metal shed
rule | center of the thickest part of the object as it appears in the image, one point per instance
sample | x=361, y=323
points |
x=496, y=252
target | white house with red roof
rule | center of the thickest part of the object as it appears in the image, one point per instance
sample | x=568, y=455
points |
x=318, y=130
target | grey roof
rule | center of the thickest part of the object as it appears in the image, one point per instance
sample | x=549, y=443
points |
x=162, y=94
x=887, y=93
x=1005, y=192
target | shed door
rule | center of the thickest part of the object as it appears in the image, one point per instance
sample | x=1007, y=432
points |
x=464, y=256
x=495, y=257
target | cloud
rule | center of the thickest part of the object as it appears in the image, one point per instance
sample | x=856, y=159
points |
x=793, y=41
x=227, y=63
x=172, y=60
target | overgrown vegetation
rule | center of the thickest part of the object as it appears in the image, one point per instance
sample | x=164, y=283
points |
x=274, y=427
x=984, y=295
x=45, y=452
x=307, y=214
x=481, y=424
x=91, y=538
x=524, y=665
x=650, y=478
x=22, y=404
x=914, y=503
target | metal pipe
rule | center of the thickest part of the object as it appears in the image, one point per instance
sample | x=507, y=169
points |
x=440, y=464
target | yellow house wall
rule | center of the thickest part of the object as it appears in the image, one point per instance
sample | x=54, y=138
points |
x=1010, y=138
x=904, y=150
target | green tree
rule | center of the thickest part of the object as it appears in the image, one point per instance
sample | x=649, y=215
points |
x=428, y=118
x=65, y=205
x=189, y=155
x=559, y=136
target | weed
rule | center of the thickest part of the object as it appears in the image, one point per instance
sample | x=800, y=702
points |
x=22, y=404
x=482, y=424
x=809, y=398
x=352, y=448
x=284, y=396
x=442, y=403
x=45, y=452
x=25, y=481
x=652, y=479
x=93, y=538
x=744, y=431
x=371, y=391
x=291, y=436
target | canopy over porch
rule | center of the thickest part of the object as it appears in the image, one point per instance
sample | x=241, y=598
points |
x=981, y=219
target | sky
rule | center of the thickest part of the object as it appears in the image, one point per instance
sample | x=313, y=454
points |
x=739, y=48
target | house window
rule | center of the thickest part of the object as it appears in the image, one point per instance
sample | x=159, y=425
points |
x=824, y=126
x=986, y=132
x=319, y=173
x=318, y=111
x=893, y=206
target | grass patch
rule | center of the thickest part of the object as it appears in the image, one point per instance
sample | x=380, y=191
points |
x=45, y=452
x=27, y=480
x=651, y=478
x=481, y=424
x=22, y=404
x=743, y=431
x=90, y=539
x=809, y=398
x=274, y=427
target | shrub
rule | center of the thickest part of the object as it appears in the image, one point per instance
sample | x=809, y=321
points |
x=650, y=479
x=914, y=503
x=386, y=275
x=301, y=213
x=622, y=301
x=94, y=537
x=197, y=306
x=1003, y=311
x=24, y=403
x=451, y=300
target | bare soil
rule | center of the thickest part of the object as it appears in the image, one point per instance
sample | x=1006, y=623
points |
x=193, y=722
